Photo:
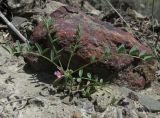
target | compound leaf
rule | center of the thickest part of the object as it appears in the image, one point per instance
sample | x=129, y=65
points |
x=148, y=58
x=133, y=51
x=121, y=49
x=40, y=51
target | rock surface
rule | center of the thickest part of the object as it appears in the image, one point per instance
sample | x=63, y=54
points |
x=52, y=6
x=95, y=36
x=141, y=6
x=22, y=6
x=146, y=101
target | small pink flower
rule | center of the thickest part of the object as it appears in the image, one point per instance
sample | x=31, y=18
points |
x=58, y=74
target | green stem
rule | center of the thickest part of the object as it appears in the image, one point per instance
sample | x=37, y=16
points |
x=38, y=55
x=50, y=39
x=86, y=65
x=72, y=53
x=69, y=61
x=92, y=80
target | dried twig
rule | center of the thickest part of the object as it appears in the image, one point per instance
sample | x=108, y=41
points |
x=3, y=27
x=130, y=29
x=119, y=14
x=153, y=30
x=12, y=27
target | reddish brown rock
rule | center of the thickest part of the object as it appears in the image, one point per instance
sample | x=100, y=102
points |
x=95, y=36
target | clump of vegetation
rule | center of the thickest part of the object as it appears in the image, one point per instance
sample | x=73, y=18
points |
x=72, y=81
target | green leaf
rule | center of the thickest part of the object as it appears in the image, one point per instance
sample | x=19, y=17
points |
x=142, y=54
x=79, y=80
x=52, y=55
x=106, y=51
x=101, y=81
x=78, y=33
x=133, y=51
x=40, y=51
x=80, y=73
x=121, y=49
x=59, y=51
x=93, y=58
x=89, y=75
x=7, y=48
x=86, y=93
x=148, y=58
x=13, y=49
x=76, y=46
x=18, y=46
x=27, y=46
x=158, y=58
x=54, y=40
x=96, y=78
x=45, y=50
x=56, y=57
x=47, y=21
x=31, y=48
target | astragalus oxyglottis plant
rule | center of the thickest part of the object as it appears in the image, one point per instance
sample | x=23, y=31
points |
x=69, y=80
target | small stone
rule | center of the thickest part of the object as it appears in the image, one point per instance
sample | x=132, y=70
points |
x=123, y=103
x=142, y=115
x=146, y=101
x=17, y=21
x=85, y=104
x=129, y=113
x=76, y=115
x=94, y=115
x=111, y=112
x=158, y=73
x=90, y=9
x=67, y=100
x=135, y=14
x=132, y=96
x=20, y=6
x=102, y=100
x=52, y=6
x=2, y=72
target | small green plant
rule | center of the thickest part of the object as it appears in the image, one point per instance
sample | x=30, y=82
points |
x=135, y=53
x=72, y=81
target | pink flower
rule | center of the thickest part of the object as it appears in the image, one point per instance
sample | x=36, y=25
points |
x=58, y=74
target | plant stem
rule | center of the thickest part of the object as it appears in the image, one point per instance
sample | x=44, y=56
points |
x=69, y=61
x=54, y=48
x=88, y=64
x=72, y=54
x=130, y=29
x=92, y=80
x=41, y=56
x=119, y=15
